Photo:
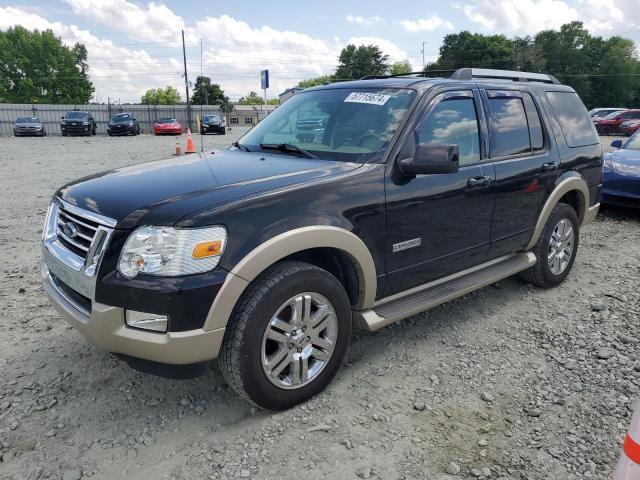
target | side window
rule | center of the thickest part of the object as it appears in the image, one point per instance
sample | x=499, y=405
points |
x=453, y=122
x=574, y=119
x=535, y=125
x=510, y=128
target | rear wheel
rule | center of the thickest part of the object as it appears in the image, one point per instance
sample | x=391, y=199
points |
x=556, y=248
x=606, y=130
x=287, y=336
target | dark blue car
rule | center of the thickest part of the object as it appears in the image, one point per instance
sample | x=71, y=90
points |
x=621, y=179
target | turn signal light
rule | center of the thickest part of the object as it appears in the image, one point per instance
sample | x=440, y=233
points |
x=207, y=249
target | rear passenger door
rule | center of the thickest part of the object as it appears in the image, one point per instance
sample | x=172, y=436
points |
x=523, y=164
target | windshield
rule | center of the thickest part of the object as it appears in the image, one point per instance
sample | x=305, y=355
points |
x=27, y=120
x=77, y=115
x=210, y=118
x=613, y=114
x=121, y=118
x=335, y=124
x=633, y=143
x=166, y=120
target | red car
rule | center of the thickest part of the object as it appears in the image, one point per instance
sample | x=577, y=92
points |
x=630, y=126
x=167, y=126
x=611, y=123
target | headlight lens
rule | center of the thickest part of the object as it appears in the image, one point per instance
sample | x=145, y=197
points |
x=172, y=252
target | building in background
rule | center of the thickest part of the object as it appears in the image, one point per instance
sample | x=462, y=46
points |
x=288, y=93
x=249, y=115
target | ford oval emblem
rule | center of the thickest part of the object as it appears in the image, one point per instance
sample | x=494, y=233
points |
x=70, y=230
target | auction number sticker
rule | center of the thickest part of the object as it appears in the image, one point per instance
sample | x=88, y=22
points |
x=369, y=98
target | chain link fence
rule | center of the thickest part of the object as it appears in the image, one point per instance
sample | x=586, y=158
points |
x=145, y=114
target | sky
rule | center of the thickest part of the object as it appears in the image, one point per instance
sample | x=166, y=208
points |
x=135, y=45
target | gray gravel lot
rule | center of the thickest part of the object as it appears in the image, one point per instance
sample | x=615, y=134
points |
x=509, y=382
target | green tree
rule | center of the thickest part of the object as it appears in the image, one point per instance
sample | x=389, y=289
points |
x=207, y=93
x=312, y=82
x=400, y=68
x=466, y=49
x=357, y=62
x=161, y=96
x=36, y=67
x=254, y=99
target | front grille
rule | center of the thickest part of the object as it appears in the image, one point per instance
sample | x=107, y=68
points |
x=75, y=232
x=77, y=299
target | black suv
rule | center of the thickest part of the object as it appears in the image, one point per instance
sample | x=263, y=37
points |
x=123, y=124
x=412, y=191
x=76, y=122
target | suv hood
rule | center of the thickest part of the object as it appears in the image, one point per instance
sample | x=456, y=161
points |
x=162, y=192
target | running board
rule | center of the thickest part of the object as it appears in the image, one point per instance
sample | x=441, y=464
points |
x=396, y=307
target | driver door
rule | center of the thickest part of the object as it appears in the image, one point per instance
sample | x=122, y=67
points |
x=439, y=224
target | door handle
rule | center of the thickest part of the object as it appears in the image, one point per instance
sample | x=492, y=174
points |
x=549, y=166
x=480, y=181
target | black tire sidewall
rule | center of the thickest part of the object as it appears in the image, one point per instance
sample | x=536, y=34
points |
x=561, y=211
x=259, y=389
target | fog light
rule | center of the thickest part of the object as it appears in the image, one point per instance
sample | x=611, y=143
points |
x=146, y=321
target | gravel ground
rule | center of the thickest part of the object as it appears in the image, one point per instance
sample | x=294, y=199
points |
x=509, y=382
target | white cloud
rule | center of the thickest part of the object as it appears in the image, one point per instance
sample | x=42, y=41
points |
x=426, y=24
x=148, y=51
x=530, y=16
x=365, y=21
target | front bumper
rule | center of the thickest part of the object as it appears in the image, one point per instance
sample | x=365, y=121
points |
x=116, y=130
x=75, y=129
x=105, y=327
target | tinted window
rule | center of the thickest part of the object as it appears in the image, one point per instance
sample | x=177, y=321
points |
x=627, y=115
x=510, y=130
x=533, y=118
x=575, y=122
x=453, y=122
x=77, y=114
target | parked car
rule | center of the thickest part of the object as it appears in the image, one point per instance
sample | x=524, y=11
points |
x=611, y=123
x=630, y=126
x=29, y=127
x=266, y=255
x=603, y=112
x=123, y=124
x=76, y=122
x=621, y=175
x=213, y=124
x=167, y=126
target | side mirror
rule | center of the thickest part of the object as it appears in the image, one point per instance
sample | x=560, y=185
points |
x=616, y=144
x=431, y=159
x=62, y=117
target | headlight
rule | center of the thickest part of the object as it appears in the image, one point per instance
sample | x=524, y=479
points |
x=172, y=252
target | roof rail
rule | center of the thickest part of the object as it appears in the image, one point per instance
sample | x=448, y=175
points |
x=471, y=73
x=421, y=73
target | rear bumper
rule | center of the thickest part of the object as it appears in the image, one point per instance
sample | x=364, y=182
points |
x=105, y=327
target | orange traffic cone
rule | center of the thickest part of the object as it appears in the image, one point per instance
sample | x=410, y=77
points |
x=178, y=149
x=190, y=146
x=629, y=464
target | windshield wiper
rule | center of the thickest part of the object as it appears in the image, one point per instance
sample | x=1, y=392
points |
x=288, y=148
x=238, y=145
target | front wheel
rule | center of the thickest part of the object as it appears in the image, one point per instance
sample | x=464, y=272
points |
x=287, y=336
x=556, y=248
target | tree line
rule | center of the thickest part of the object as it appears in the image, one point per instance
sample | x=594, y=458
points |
x=36, y=67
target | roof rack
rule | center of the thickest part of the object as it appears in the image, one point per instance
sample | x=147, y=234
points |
x=422, y=73
x=471, y=73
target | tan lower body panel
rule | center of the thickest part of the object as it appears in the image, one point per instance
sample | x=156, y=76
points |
x=106, y=329
x=590, y=215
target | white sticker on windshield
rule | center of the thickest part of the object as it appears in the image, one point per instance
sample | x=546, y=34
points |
x=370, y=98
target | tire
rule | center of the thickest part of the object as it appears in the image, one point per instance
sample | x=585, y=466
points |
x=224, y=131
x=542, y=274
x=606, y=130
x=245, y=342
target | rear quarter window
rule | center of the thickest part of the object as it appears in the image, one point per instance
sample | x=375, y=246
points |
x=575, y=122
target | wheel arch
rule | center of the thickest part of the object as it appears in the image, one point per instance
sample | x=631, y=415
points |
x=319, y=245
x=571, y=189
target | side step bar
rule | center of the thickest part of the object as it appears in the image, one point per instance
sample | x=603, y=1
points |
x=396, y=307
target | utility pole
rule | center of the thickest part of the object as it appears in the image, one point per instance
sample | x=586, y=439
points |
x=186, y=81
x=424, y=65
